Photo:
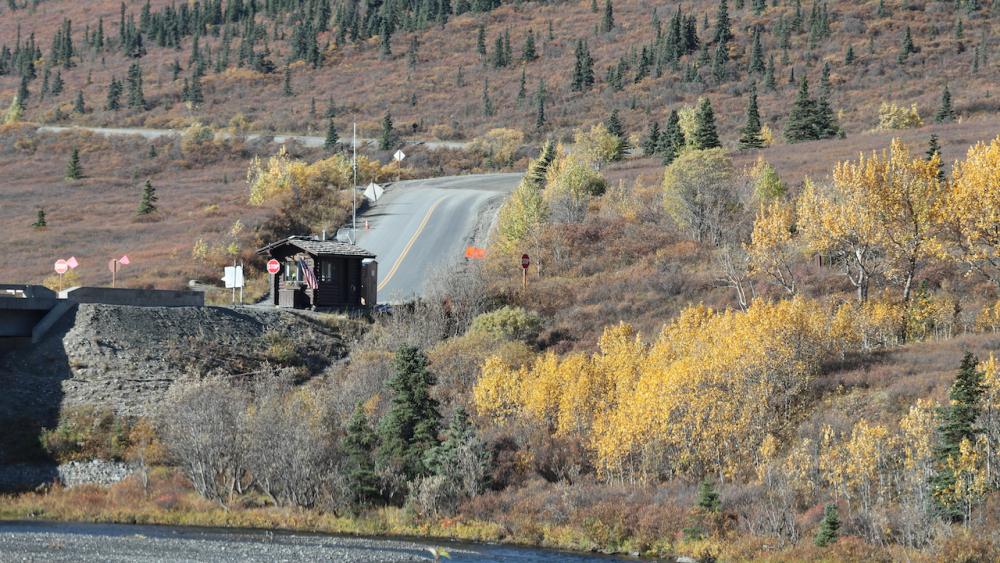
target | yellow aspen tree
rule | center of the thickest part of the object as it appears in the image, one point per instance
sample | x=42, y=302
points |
x=973, y=210
x=773, y=248
x=989, y=419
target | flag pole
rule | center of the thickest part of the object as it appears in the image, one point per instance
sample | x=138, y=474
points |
x=354, y=191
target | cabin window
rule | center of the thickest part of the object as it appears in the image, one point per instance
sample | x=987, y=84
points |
x=326, y=271
x=291, y=272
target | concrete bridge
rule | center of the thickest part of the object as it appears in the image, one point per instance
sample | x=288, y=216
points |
x=29, y=311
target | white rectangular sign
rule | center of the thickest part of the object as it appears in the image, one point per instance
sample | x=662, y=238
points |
x=233, y=277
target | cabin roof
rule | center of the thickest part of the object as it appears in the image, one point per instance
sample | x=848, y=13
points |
x=317, y=247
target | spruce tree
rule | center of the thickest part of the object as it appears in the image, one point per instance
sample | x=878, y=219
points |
x=583, y=68
x=652, y=140
x=74, y=171
x=945, y=112
x=756, y=54
x=705, y=134
x=934, y=148
x=829, y=527
x=488, y=109
x=78, y=105
x=194, y=91
x=672, y=140
x=708, y=498
x=388, y=140
x=23, y=93
x=522, y=86
x=906, y=48
x=287, y=89
x=461, y=447
x=148, y=203
x=957, y=423
x=358, y=446
x=136, y=98
x=750, y=137
x=723, y=27
x=113, y=102
x=849, y=55
x=801, y=121
x=481, y=42
x=825, y=120
x=40, y=222
x=617, y=128
x=540, y=107
x=769, y=79
x=332, y=137
x=608, y=20
x=410, y=427
x=529, y=53
x=57, y=84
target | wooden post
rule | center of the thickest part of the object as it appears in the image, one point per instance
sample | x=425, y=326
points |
x=114, y=272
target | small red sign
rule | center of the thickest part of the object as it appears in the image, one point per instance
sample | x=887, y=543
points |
x=273, y=266
x=525, y=261
x=61, y=267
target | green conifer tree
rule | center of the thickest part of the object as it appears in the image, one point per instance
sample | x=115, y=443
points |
x=934, y=148
x=652, y=140
x=78, y=105
x=705, y=134
x=801, y=124
x=113, y=102
x=945, y=112
x=389, y=139
x=672, y=140
x=829, y=527
x=750, y=136
x=723, y=27
x=756, y=54
x=57, y=84
x=957, y=423
x=74, y=170
x=332, y=137
x=488, y=109
x=40, y=222
x=358, y=446
x=540, y=106
x=148, y=203
x=410, y=427
x=136, y=97
x=529, y=53
x=287, y=89
x=849, y=55
x=708, y=498
x=608, y=20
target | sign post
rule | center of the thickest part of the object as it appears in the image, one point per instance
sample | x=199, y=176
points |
x=399, y=156
x=234, y=279
x=113, y=266
x=525, y=263
x=61, y=268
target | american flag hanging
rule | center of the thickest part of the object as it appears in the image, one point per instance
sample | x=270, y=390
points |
x=308, y=274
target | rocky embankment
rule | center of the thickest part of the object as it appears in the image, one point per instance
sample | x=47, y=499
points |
x=124, y=359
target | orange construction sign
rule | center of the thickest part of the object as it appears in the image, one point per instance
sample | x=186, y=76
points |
x=475, y=253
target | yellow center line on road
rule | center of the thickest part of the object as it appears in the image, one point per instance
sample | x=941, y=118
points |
x=409, y=245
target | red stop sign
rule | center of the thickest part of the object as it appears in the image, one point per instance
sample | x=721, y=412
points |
x=62, y=266
x=273, y=266
x=525, y=261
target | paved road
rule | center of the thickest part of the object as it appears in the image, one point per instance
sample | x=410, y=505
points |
x=306, y=140
x=419, y=226
x=69, y=542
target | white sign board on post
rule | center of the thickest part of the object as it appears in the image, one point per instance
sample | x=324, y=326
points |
x=233, y=277
x=399, y=156
x=373, y=192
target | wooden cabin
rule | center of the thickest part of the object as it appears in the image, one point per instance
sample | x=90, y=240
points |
x=321, y=274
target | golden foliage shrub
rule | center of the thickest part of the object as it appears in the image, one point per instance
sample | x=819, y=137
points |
x=704, y=395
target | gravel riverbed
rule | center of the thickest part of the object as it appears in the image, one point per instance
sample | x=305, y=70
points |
x=58, y=542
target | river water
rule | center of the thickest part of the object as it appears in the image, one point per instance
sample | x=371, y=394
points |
x=64, y=542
